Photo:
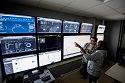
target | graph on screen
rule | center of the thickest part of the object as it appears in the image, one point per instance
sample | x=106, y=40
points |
x=69, y=49
x=11, y=24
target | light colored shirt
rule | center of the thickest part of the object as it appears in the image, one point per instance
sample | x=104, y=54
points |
x=95, y=61
x=91, y=49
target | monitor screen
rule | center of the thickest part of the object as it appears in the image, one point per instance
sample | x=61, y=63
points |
x=100, y=37
x=69, y=49
x=21, y=63
x=48, y=42
x=17, y=44
x=101, y=29
x=86, y=28
x=50, y=57
x=70, y=27
x=46, y=25
x=10, y=24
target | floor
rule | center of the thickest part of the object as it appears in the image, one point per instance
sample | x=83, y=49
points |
x=75, y=76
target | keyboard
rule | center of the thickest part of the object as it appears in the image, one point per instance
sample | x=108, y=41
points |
x=31, y=79
x=46, y=78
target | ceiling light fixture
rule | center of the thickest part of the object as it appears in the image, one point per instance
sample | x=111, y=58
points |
x=103, y=1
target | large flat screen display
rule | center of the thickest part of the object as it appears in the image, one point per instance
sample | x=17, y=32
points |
x=17, y=44
x=86, y=28
x=50, y=57
x=11, y=24
x=19, y=64
x=69, y=49
x=70, y=27
x=100, y=37
x=101, y=29
x=49, y=42
x=47, y=25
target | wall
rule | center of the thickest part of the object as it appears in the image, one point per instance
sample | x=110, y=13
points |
x=62, y=67
x=123, y=36
x=112, y=34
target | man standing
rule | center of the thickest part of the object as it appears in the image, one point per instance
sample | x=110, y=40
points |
x=95, y=60
x=91, y=49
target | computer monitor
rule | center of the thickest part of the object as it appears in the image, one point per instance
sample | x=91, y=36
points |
x=17, y=44
x=100, y=37
x=14, y=24
x=101, y=28
x=47, y=25
x=86, y=28
x=49, y=57
x=70, y=27
x=49, y=42
x=18, y=64
x=69, y=49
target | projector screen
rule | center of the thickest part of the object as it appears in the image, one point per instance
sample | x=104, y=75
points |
x=69, y=49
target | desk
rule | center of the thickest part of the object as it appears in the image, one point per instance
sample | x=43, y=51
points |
x=117, y=73
x=44, y=74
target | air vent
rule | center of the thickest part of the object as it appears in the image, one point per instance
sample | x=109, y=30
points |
x=103, y=1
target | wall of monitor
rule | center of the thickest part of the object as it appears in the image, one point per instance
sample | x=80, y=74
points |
x=41, y=37
x=39, y=41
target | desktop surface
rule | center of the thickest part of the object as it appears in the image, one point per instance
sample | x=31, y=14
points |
x=117, y=72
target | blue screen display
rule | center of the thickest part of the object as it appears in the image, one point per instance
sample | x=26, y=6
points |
x=47, y=25
x=17, y=44
x=70, y=27
x=16, y=24
x=86, y=28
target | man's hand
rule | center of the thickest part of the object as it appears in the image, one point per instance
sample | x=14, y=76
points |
x=82, y=50
x=77, y=45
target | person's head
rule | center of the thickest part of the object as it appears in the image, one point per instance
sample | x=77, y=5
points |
x=93, y=40
x=101, y=45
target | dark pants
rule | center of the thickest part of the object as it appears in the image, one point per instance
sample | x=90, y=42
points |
x=83, y=70
x=92, y=79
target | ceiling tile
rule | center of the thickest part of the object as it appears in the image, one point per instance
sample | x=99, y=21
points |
x=121, y=10
x=101, y=10
x=60, y=2
x=116, y=3
x=69, y=10
x=83, y=4
x=49, y=5
x=117, y=16
x=84, y=13
x=26, y=2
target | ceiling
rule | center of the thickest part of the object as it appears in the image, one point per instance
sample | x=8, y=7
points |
x=113, y=9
